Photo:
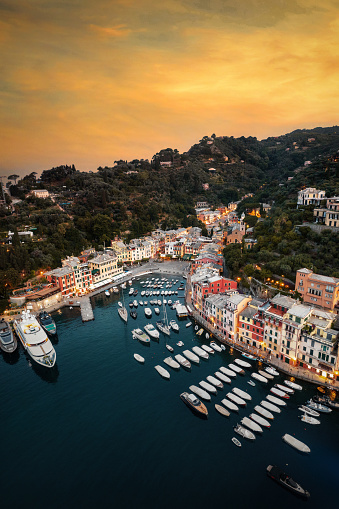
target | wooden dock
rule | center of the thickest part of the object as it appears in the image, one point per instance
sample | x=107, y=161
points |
x=86, y=309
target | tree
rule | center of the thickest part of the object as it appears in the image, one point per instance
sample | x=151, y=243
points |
x=13, y=177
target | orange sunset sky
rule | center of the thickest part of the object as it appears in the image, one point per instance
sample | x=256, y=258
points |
x=89, y=82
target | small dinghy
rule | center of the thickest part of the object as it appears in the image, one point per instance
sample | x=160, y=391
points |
x=260, y=420
x=172, y=363
x=169, y=348
x=180, y=343
x=276, y=401
x=293, y=385
x=241, y=394
x=231, y=406
x=266, y=375
x=279, y=393
x=223, y=377
x=208, y=387
x=196, y=327
x=200, y=392
x=297, y=444
x=199, y=351
x=188, y=324
x=271, y=371
x=222, y=410
x=139, y=358
x=236, y=399
x=182, y=361
x=191, y=356
x=227, y=372
x=260, y=378
x=215, y=346
x=250, y=382
x=309, y=411
x=208, y=349
x=223, y=347
x=242, y=363
x=270, y=406
x=236, y=368
x=245, y=433
x=262, y=411
x=249, y=356
x=236, y=442
x=308, y=419
x=283, y=388
x=162, y=372
x=214, y=381
x=253, y=426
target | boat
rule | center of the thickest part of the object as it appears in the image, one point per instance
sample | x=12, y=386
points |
x=214, y=381
x=133, y=314
x=152, y=331
x=237, y=369
x=318, y=407
x=157, y=311
x=174, y=325
x=200, y=331
x=47, y=323
x=162, y=372
x=297, y=444
x=260, y=378
x=227, y=372
x=8, y=342
x=260, y=420
x=169, y=348
x=231, y=406
x=107, y=293
x=115, y=289
x=223, y=347
x=135, y=303
x=242, y=363
x=180, y=343
x=208, y=387
x=199, y=351
x=196, y=327
x=182, y=361
x=276, y=401
x=235, y=399
x=266, y=375
x=130, y=304
x=171, y=363
x=321, y=389
x=308, y=419
x=208, y=349
x=141, y=336
x=223, y=377
x=242, y=394
x=325, y=400
x=293, y=385
x=215, y=346
x=122, y=311
x=279, y=393
x=271, y=371
x=250, y=382
x=270, y=406
x=264, y=412
x=191, y=356
x=139, y=358
x=188, y=324
x=249, y=356
x=163, y=324
x=284, y=388
x=222, y=410
x=245, y=433
x=34, y=339
x=253, y=426
x=148, y=312
x=194, y=404
x=309, y=411
x=236, y=442
x=286, y=481
x=200, y=392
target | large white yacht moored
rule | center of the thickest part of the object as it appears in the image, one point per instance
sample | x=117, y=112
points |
x=34, y=339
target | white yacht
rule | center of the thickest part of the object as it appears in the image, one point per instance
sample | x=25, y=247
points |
x=34, y=339
x=152, y=331
x=174, y=325
x=141, y=336
x=148, y=312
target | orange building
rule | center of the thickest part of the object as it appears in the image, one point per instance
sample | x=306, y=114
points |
x=320, y=291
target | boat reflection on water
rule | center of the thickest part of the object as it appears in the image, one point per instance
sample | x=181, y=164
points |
x=11, y=358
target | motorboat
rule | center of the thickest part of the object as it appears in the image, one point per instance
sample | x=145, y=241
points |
x=266, y=375
x=135, y=303
x=309, y=411
x=253, y=426
x=276, y=401
x=318, y=407
x=308, y=419
x=47, y=323
x=271, y=371
x=293, y=385
x=237, y=369
x=191, y=356
x=235, y=399
x=139, y=358
x=297, y=444
x=250, y=382
x=182, y=361
x=171, y=363
x=325, y=400
x=141, y=302
x=223, y=377
x=152, y=331
x=249, y=356
x=199, y=351
x=264, y=412
x=227, y=372
x=148, y=312
x=223, y=347
x=8, y=342
x=200, y=392
x=174, y=326
x=157, y=311
x=208, y=387
x=286, y=481
x=208, y=349
x=34, y=339
x=180, y=343
x=107, y=293
x=230, y=405
x=215, y=381
x=194, y=404
x=242, y=394
x=141, y=336
x=215, y=346
x=270, y=406
x=242, y=363
x=260, y=378
x=222, y=410
x=133, y=314
x=260, y=420
x=188, y=324
x=284, y=388
x=169, y=348
x=236, y=442
x=162, y=372
x=120, y=304
x=245, y=433
x=279, y=393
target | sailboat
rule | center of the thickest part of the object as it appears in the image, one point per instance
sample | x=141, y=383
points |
x=163, y=324
x=122, y=309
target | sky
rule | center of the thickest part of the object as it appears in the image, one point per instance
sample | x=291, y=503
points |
x=88, y=82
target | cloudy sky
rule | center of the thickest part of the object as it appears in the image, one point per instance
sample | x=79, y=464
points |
x=92, y=81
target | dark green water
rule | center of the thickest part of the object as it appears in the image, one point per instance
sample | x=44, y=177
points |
x=103, y=431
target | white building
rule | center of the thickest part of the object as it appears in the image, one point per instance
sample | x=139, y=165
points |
x=310, y=196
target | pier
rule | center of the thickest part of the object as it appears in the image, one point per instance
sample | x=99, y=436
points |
x=86, y=309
